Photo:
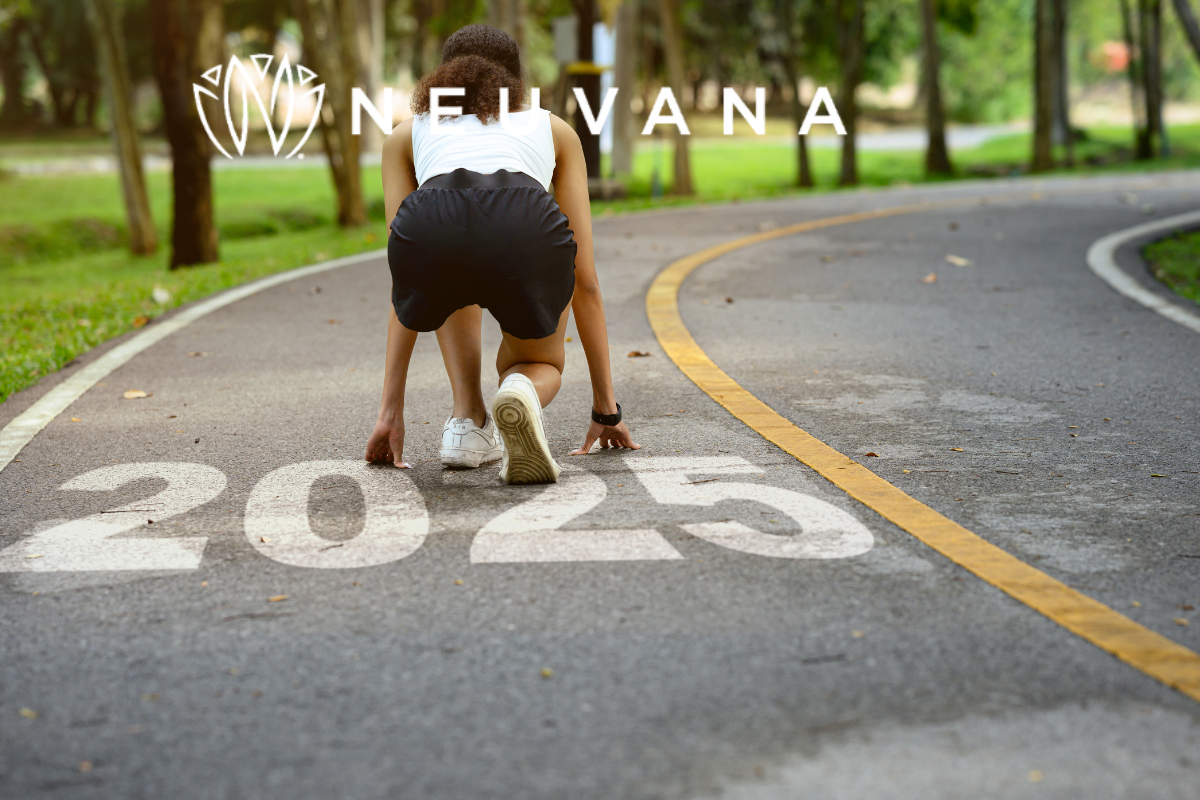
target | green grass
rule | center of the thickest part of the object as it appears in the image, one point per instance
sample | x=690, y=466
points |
x=1176, y=262
x=67, y=284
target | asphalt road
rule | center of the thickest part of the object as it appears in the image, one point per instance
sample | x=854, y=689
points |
x=440, y=636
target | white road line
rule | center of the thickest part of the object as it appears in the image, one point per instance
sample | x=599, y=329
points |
x=1100, y=258
x=21, y=430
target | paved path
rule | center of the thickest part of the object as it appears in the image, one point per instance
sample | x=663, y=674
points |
x=427, y=647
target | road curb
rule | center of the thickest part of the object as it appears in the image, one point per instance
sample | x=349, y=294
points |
x=1101, y=259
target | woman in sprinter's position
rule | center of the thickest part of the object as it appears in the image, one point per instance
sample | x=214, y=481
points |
x=474, y=226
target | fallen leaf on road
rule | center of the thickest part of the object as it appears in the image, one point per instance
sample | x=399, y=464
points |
x=638, y=353
x=1181, y=621
x=1156, y=475
x=870, y=455
x=76, y=419
x=547, y=672
x=134, y=394
x=277, y=598
x=1186, y=607
x=28, y=713
x=827, y=259
x=907, y=471
x=930, y=278
x=197, y=354
x=150, y=698
x=39, y=555
x=728, y=299
x=264, y=540
x=857, y=634
x=957, y=449
x=333, y=321
x=85, y=766
x=959, y=261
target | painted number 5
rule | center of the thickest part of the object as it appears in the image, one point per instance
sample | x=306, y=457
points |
x=826, y=531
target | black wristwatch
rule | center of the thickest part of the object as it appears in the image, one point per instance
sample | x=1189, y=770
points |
x=607, y=419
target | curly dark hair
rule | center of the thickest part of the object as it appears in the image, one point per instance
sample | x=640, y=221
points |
x=481, y=60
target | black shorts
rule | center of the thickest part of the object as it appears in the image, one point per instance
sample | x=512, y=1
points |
x=498, y=241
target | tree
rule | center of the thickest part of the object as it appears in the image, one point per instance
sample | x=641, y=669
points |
x=788, y=32
x=15, y=111
x=188, y=40
x=937, y=156
x=1150, y=27
x=1141, y=138
x=852, y=39
x=587, y=16
x=1061, y=133
x=509, y=16
x=672, y=32
x=330, y=31
x=370, y=45
x=104, y=19
x=62, y=45
x=625, y=69
x=1043, y=87
x=1187, y=19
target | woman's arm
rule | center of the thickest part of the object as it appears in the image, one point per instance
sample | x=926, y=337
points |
x=399, y=180
x=571, y=192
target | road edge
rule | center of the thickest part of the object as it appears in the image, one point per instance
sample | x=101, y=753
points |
x=21, y=430
x=1101, y=259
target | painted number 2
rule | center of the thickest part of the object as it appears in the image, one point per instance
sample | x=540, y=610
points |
x=90, y=544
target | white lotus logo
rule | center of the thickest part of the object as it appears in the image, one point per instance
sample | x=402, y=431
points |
x=283, y=75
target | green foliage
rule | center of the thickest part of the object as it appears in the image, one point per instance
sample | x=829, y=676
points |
x=91, y=298
x=1176, y=262
x=987, y=74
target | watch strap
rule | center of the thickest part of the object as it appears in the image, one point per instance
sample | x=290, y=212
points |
x=607, y=419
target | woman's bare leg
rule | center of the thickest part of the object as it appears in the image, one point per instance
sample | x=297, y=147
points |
x=540, y=360
x=462, y=351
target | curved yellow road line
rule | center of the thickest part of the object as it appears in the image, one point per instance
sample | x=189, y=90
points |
x=1153, y=654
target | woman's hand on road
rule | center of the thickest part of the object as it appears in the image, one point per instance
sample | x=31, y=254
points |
x=386, y=444
x=608, y=435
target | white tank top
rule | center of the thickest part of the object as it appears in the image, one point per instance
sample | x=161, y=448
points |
x=463, y=142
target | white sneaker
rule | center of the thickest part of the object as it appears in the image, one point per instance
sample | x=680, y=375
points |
x=518, y=414
x=466, y=445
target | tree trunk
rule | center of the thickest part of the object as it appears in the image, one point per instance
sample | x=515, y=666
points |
x=187, y=40
x=14, y=113
x=1151, y=40
x=804, y=178
x=672, y=30
x=110, y=50
x=370, y=45
x=1141, y=139
x=1191, y=27
x=937, y=156
x=509, y=16
x=851, y=15
x=1062, y=134
x=1043, y=87
x=625, y=78
x=585, y=10
x=420, y=13
x=60, y=96
x=335, y=58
